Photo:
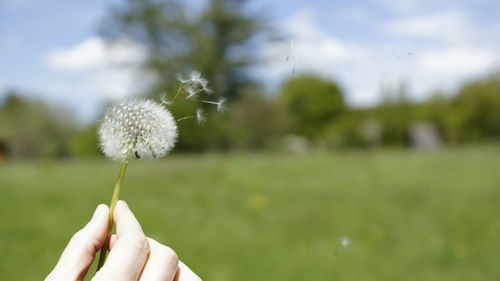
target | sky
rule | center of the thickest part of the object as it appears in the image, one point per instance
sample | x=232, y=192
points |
x=51, y=49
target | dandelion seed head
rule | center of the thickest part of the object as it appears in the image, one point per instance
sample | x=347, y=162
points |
x=137, y=128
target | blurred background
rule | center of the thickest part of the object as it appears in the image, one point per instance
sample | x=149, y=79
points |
x=361, y=139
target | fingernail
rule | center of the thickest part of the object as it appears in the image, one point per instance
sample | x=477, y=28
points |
x=98, y=211
x=124, y=204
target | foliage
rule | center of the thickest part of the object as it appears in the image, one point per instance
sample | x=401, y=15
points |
x=263, y=119
x=478, y=106
x=84, y=142
x=216, y=40
x=313, y=103
x=31, y=128
x=252, y=122
x=471, y=115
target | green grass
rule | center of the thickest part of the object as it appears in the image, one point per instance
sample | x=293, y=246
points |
x=410, y=216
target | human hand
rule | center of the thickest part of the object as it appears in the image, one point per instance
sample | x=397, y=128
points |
x=132, y=255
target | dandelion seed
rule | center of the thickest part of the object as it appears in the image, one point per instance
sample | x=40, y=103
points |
x=164, y=99
x=194, y=84
x=291, y=51
x=137, y=128
x=345, y=242
x=191, y=91
x=181, y=79
x=219, y=104
x=200, y=116
x=291, y=55
x=195, y=77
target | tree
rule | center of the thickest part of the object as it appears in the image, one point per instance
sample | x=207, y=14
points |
x=215, y=41
x=30, y=128
x=218, y=40
x=313, y=103
x=477, y=107
x=264, y=120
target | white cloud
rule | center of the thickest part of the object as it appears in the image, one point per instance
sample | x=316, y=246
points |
x=353, y=14
x=311, y=49
x=106, y=70
x=95, y=53
x=400, y=6
x=445, y=27
x=458, y=60
x=436, y=53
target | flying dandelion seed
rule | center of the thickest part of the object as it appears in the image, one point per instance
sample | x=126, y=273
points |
x=164, y=99
x=219, y=104
x=194, y=84
x=345, y=242
x=291, y=55
x=200, y=116
x=402, y=56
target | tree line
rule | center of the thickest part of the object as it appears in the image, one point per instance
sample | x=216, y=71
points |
x=220, y=39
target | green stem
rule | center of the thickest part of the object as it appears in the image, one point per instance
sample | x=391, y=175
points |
x=114, y=200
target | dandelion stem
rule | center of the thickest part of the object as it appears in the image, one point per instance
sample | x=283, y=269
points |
x=114, y=200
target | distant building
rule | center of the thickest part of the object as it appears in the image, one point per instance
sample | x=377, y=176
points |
x=372, y=132
x=424, y=136
x=296, y=144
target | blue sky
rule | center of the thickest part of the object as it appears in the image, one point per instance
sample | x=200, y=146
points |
x=51, y=50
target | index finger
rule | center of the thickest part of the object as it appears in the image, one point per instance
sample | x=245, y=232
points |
x=130, y=251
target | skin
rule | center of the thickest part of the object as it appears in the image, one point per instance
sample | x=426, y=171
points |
x=132, y=256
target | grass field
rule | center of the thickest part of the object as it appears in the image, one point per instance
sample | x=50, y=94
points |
x=408, y=215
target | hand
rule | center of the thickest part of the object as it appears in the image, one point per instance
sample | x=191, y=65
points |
x=132, y=255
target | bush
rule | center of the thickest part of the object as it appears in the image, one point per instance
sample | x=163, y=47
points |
x=313, y=104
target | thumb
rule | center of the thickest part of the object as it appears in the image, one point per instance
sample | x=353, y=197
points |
x=81, y=249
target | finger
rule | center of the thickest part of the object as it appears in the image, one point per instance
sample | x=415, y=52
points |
x=112, y=241
x=129, y=252
x=81, y=249
x=161, y=264
x=185, y=274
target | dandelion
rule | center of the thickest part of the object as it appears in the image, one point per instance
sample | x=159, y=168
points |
x=141, y=128
x=138, y=129
x=134, y=129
